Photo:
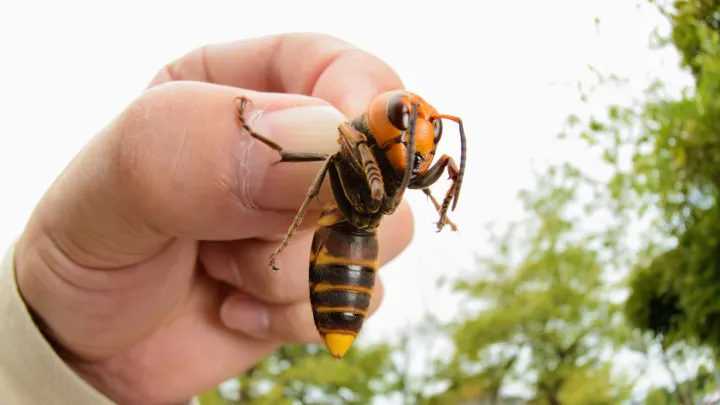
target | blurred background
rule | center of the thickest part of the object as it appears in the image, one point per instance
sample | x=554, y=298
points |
x=586, y=269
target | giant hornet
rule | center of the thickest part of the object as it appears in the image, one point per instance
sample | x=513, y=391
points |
x=383, y=152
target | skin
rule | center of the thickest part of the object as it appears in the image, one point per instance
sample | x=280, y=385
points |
x=146, y=265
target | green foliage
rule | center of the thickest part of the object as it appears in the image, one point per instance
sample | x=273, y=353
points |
x=553, y=304
x=653, y=303
x=693, y=22
x=658, y=396
x=698, y=386
x=593, y=387
x=676, y=295
x=308, y=375
x=673, y=170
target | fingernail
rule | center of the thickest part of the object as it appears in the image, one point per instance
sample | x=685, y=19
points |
x=307, y=129
x=244, y=314
x=316, y=126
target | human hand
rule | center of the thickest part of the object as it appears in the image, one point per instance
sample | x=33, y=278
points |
x=146, y=262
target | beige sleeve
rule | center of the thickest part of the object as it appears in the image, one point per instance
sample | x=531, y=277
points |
x=31, y=373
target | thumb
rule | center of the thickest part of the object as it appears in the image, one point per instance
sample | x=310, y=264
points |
x=177, y=164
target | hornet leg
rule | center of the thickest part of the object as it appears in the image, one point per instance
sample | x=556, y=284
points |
x=311, y=194
x=285, y=155
x=432, y=175
x=438, y=207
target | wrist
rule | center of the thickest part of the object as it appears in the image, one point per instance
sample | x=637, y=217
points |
x=28, y=287
x=111, y=385
x=107, y=385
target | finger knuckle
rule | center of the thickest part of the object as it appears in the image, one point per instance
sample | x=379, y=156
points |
x=134, y=132
x=139, y=141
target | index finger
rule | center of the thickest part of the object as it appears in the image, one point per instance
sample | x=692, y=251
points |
x=302, y=63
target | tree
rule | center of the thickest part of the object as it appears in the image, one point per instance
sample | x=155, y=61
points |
x=547, y=318
x=700, y=384
x=300, y=374
x=658, y=396
x=673, y=176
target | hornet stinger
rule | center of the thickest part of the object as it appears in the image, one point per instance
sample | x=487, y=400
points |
x=383, y=152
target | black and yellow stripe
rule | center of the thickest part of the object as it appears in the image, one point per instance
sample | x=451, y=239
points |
x=343, y=264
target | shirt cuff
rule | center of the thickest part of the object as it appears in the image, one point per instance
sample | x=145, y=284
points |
x=31, y=372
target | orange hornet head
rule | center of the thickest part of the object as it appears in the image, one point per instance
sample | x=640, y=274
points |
x=389, y=119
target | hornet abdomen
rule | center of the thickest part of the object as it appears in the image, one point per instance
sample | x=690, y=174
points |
x=343, y=263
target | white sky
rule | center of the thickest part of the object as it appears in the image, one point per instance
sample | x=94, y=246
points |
x=509, y=69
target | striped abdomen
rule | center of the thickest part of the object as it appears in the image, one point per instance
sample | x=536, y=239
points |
x=343, y=262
